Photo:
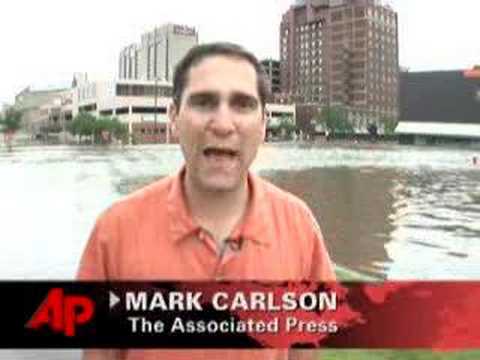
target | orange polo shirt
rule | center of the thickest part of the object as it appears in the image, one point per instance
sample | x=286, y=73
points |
x=150, y=235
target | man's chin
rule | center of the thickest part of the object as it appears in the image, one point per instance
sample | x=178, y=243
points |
x=219, y=185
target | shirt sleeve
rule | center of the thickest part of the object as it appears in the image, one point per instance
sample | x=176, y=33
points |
x=93, y=264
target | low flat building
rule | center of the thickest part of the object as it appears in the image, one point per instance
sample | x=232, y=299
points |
x=439, y=107
x=44, y=111
x=143, y=105
x=276, y=112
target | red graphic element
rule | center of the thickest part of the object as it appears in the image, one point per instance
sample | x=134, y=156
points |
x=62, y=312
x=324, y=321
x=429, y=315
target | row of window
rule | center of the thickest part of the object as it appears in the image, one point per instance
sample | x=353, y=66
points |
x=128, y=67
x=143, y=90
x=377, y=18
x=308, y=27
x=124, y=110
x=87, y=92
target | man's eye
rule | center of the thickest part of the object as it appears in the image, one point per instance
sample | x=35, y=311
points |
x=244, y=103
x=203, y=102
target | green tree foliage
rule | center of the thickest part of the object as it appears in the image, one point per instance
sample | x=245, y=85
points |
x=390, y=125
x=9, y=124
x=286, y=126
x=11, y=121
x=82, y=125
x=101, y=129
x=335, y=120
x=106, y=127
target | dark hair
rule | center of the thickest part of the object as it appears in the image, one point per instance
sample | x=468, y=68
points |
x=201, y=52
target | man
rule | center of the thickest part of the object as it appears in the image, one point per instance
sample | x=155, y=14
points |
x=214, y=219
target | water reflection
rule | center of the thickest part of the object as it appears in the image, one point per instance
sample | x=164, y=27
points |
x=438, y=234
x=352, y=206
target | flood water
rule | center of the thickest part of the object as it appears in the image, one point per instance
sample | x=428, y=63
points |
x=390, y=211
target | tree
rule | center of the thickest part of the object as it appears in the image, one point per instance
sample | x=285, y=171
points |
x=9, y=124
x=100, y=129
x=390, y=125
x=334, y=119
x=120, y=130
x=105, y=127
x=82, y=125
x=286, y=126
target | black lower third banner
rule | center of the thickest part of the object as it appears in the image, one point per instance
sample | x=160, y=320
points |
x=433, y=315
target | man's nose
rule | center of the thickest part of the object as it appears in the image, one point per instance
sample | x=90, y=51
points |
x=222, y=120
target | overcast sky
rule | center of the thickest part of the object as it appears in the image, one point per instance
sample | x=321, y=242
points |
x=44, y=42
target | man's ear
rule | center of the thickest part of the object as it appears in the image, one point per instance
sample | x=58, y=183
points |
x=265, y=123
x=173, y=116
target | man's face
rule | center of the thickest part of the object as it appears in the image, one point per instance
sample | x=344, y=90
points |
x=220, y=123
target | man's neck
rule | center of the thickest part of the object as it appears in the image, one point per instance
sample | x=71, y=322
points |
x=216, y=211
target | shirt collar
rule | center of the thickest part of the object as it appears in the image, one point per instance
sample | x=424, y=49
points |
x=182, y=225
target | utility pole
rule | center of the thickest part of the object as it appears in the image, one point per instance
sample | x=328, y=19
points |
x=167, y=77
x=155, y=112
x=64, y=125
x=155, y=53
x=168, y=130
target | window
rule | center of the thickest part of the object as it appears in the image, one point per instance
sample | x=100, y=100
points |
x=359, y=12
x=337, y=16
x=121, y=111
x=148, y=110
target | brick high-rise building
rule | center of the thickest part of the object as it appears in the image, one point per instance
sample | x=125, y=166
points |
x=342, y=53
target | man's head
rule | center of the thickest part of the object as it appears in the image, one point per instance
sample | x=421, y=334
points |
x=198, y=53
x=218, y=115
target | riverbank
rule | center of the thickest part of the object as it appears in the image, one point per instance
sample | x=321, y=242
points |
x=396, y=355
x=319, y=141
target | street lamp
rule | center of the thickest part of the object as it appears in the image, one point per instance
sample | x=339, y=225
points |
x=155, y=72
x=155, y=111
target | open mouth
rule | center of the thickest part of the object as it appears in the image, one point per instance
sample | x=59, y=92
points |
x=219, y=152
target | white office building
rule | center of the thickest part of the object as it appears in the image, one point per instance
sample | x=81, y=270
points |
x=159, y=51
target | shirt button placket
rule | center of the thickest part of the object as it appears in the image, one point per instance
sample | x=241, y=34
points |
x=219, y=274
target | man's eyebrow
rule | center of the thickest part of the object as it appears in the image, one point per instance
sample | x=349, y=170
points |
x=204, y=93
x=241, y=94
x=234, y=94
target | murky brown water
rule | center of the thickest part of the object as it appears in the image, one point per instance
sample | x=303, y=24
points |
x=394, y=212
x=352, y=207
x=395, y=223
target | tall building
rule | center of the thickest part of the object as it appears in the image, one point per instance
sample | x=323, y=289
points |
x=272, y=70
x=128, y=63
x=156, y=56
x=342, y=53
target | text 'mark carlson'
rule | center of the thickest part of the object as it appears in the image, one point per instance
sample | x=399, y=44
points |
x=225, y=301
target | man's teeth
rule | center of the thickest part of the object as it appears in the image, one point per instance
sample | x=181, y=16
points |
x=219, y=152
